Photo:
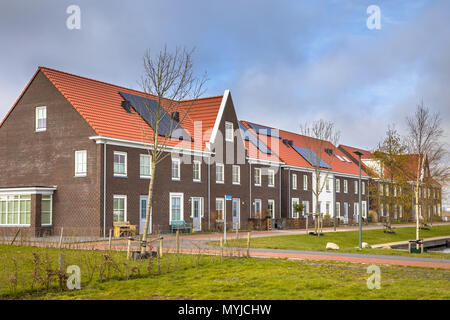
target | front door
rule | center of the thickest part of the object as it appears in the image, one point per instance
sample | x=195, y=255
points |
x=143, y=211
x=236, y=213
x=197, y=214
x=345, y=212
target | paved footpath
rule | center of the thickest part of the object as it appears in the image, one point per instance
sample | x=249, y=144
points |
x=199, y=244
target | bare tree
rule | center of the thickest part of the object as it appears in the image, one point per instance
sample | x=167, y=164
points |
x=391, y=155
x=322, y=145
x=425, y=143
x=169, y=80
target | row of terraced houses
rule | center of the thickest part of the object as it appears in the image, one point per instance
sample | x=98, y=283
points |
x=73, y=156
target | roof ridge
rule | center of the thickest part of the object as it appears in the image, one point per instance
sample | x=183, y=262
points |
x=115, y=85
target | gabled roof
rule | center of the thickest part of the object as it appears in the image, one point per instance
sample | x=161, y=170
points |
x=292, y=158
x=99, y=104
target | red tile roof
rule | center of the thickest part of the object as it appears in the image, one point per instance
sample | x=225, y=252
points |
x=290, y=157
x=99, y=103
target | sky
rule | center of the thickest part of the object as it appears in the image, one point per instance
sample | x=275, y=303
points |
x=285, y=62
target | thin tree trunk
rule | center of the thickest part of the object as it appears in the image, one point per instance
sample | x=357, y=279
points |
x=149, y=206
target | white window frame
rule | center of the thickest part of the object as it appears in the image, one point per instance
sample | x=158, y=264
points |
x=363, y=187
x=328, y=185
x=305, y=182
x=38, y=109
x=221, y=200
x=200, y=209
x=328, y=207
x=338, y=186
x=124, y=197
x=120, y=153
x=229, y=131
x=144, y=176
x=83, y=172
x=178, y=162
x=294, y=181
x=345, y=186
x=271, y=201
x=199, y=164
x=236, y=174
x=51, y=210
x=260, y=207
x=271, y=178
x=178, y=195
x=356, y=186
x=9, y=198
x=293, y=213
x=257, y=177
x=222, y=172
x=338, y=209
x=305, y=207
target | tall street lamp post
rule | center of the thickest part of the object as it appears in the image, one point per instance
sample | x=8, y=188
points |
x=359, y=154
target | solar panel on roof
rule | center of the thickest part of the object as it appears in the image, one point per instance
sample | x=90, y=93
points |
x=346, y=159
x=311, y=157
x=264, y=130
x=249, y=136
x=340, y=158
x=147, y=109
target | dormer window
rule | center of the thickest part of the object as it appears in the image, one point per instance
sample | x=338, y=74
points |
x=41, y=119
x=229, y=131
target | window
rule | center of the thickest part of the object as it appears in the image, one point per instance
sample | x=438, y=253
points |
x=15, y=210
x=400, y=211
x=328, y=185
x=41, y=119
x=338, y=185
x=356, y=212
x=356, y=187
x=219, y=173
x=271, y=178
x=363, y=186
x=293, y=203
x=338, y=209
x=305, y=207
x=229, y=133
x=176, y=207
x=345, y=186
x=327, y=207
x=271, y=208
x=219, y=208
x=257, y=208
x=120, y=164
x=381, y=190
x=145, y=166
x=196, y=171
x=364, y=209
x=46, y=210
x=176, y=169
x=381, y=210
x=294, y=181
x=305, y=182
x=387, y=190
x=80, y=163
x=120, y=209
x=236, y=174
x=257, y=176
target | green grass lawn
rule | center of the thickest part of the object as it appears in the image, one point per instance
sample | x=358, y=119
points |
x=205, y=277
x=347, y=241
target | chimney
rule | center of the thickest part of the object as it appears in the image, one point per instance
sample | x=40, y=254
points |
x=127, y=106
x=176, y=116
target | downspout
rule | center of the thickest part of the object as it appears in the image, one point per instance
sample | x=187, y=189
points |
x=104, y=189
x=209, y=193
x=289, y=194
x=279, y=187
x=250, y=204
